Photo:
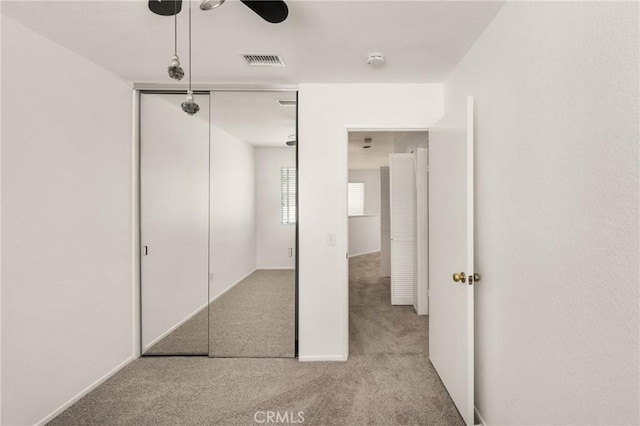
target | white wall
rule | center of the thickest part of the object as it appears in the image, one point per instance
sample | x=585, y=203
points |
x=233, y=224
x=66, y=244
x=326, y=111
x=364, y=231
x=272, y=237
x=371, y=179
x=556, y=96
x=364, y=234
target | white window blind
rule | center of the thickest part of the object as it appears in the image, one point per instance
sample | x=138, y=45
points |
x=288, y=195
x=356, y=199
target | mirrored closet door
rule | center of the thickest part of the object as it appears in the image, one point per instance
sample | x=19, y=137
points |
x=253, y=224
x=174, y=223
x=218, y=224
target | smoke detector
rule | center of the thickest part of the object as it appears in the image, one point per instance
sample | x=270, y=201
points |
x=375, y=59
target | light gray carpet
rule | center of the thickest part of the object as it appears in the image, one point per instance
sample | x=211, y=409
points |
x=191, y=338
x=256, y=318
x=384, y=382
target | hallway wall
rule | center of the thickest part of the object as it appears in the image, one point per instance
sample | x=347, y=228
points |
x=556, y=98
x=67, y=310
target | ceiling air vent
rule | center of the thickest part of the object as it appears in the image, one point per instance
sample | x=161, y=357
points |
x=286, y=102
x=255, y=60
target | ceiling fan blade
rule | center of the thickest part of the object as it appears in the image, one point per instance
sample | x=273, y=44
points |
x=165, y=7
x=271, y=11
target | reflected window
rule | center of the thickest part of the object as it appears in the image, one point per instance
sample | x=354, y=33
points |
x=288, y=196
x=356, y=198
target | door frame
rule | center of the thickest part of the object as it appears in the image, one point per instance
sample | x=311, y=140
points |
x=136, y=230
x=348, y=129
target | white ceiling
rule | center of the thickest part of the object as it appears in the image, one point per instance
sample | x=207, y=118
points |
x=255, y=117
x=321, y=41
x=382, y=144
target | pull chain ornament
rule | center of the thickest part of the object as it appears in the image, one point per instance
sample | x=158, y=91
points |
x=174, y=69
x=190, y=106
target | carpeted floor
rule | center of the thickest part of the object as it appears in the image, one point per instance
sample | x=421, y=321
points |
x=255, y=318
x=188, y=339
x=388, y=379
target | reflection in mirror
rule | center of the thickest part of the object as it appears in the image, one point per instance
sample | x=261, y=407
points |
x=253, y=230
x=174, y=223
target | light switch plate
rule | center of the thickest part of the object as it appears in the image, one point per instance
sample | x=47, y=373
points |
x=331, y=239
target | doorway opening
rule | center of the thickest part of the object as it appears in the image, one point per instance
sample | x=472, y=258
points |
x=388, y=241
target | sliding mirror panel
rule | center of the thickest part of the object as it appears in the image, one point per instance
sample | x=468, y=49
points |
x=253, y=224
x=174, y=222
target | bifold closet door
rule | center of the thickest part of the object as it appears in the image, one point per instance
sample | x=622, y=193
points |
x=174, y=221
x=402, y=183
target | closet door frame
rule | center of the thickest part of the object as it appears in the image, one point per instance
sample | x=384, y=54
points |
x=138, y=89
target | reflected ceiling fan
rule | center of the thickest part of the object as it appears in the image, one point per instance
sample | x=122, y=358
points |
x=271, y=11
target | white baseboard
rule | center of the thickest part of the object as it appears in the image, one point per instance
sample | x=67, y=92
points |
x=172, y=329
x=232, y=285
x=362, y=254
x=83, y=393
x=403, y=301
x=274, y=268
x=317, y=358
x=482, y=422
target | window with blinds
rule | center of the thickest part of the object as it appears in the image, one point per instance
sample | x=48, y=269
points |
x=288, y=195
x=355, y=202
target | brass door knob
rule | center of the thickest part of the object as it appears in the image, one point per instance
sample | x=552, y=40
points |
x=460, y=277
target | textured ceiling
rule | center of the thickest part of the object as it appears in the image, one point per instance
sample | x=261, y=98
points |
x=321, y=41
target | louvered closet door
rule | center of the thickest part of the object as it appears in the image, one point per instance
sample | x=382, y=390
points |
x=403, y=228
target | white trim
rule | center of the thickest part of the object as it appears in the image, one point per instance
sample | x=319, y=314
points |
x=479, y=416
x=84, y=392
x=218, y=87
x=320, y=358
x=386, y=129
x=232, y=286
x=135, y=228
x=275, y=268
x=470, y=258
x=172, y=329
x=362, y=254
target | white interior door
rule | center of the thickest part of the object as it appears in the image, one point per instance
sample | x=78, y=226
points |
x=421, y=303
x=385, y=224
x=402, y=183
x=451, y=251
x=174, y=215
